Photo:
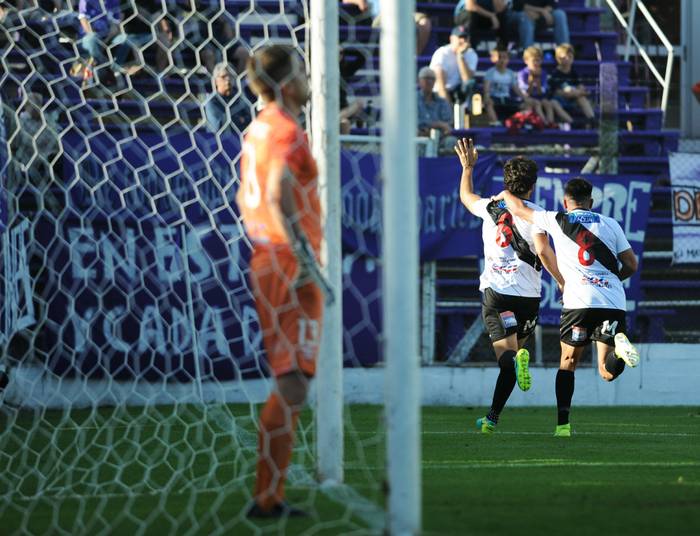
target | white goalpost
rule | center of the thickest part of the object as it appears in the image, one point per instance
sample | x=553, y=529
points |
x=325, y=125
x=400, y=282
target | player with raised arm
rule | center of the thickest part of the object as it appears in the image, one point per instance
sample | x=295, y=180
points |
x=594, y=257
x=280, y=208
x=514, y=254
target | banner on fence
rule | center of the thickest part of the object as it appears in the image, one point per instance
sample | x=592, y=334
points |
x=685, y=187
x=149, y=277
x=447, y=229
x=146, y=268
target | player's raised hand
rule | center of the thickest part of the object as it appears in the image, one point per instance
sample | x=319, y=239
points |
x=467, y=152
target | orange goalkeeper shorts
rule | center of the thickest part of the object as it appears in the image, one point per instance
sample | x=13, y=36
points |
x=290, y=318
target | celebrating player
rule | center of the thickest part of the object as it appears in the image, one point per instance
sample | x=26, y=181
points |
x=595, y=257
x=280, y=208
x=511, y=280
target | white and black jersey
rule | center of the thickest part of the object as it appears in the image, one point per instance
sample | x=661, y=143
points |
x=510, y=264
x=587, y=245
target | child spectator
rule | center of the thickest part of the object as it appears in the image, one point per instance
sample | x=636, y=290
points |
x=502, y=95
x=565, y=85
x=533, y=82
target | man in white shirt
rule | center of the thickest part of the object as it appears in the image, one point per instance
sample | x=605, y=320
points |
x=594, y=257
x=455, y=67
x=514, y=253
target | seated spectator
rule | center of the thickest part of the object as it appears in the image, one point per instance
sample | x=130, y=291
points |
x=454, y=66
x=225, y=110
x=502, y=95
x=565, y=86
x=99, y=25
x=486, y=15
x=351, y=60
x=532, y=12
x=433, y=111
x=533, y=82
x=371, y=7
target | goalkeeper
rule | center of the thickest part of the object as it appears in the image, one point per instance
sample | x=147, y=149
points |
x=280, y=208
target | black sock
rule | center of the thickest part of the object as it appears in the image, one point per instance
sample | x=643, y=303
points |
x=504, y=384
x=613, y=364
x=564, y=387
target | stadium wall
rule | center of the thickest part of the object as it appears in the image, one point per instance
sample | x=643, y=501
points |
x=667, y=376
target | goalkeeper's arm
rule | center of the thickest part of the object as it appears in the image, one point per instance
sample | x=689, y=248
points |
x=289, y=214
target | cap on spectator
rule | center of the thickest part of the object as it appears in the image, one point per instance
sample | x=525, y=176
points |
x=461, y=31
x=426, y=72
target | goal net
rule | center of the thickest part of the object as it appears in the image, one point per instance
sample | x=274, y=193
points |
x=132, y=367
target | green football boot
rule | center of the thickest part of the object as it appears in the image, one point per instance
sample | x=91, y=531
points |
x=486, y=425
x=563, y=430
x=522, y=369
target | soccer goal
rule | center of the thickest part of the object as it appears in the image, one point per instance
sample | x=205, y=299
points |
x=132, y=367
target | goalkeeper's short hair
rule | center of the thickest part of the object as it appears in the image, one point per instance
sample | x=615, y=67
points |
x=269, y=68
x=520, y=175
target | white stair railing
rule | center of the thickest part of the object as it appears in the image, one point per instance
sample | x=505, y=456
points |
x=628, y=25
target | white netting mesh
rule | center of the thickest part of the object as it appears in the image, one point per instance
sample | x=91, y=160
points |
x=129, y=332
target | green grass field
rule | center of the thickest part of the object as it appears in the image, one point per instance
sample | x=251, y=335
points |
x=166, y=471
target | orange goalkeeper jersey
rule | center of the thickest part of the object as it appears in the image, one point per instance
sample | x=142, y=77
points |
x=275, y=140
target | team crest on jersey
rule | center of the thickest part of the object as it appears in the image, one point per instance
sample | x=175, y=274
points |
x=578, y=334
x=508, y=319
x=583, y=217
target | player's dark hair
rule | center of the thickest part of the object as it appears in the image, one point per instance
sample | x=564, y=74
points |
x=269, y=68
x=519, y=175
x=579, y=190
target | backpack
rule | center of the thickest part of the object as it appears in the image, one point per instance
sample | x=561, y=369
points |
x=527, y=120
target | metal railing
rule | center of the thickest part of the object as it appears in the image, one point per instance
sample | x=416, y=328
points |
x=628, y=25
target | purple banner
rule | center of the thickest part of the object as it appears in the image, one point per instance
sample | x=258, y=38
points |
x=447, y=230
x=149, y=276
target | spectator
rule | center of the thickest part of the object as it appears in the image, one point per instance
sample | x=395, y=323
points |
x=533, y=83
x=433, y=111
x=486, y=15
x=454, y=66
x=531, y=12
x=226, y=111
x=502, y=95
x=358, y=8
x=351, y=60
x=565, y=86
x=99, y=25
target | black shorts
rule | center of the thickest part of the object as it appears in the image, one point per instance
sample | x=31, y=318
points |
x=504, y=314
x=580, y=326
